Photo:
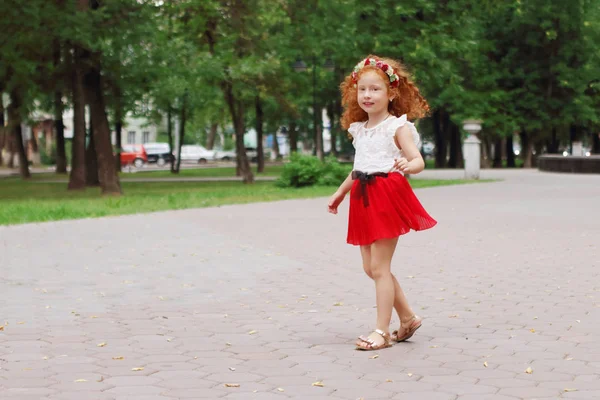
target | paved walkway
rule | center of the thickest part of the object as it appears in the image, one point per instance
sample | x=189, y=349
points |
x=180, y=304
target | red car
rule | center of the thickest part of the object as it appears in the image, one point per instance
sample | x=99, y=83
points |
x=134, y=154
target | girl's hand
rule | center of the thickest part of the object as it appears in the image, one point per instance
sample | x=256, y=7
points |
x=402, y=164
x=334, y=202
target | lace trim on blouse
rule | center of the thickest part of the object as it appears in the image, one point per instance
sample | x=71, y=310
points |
x=375, y=147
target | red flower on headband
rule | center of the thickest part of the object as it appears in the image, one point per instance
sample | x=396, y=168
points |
x=384, y=67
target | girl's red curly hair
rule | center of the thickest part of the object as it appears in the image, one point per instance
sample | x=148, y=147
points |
x=407, y=98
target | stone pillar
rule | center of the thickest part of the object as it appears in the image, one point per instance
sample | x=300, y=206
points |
x=472, y=156
x=577, y=149
x=472, y=149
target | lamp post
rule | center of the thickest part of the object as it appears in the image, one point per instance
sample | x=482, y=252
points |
x=300, y=66
x=472, y=148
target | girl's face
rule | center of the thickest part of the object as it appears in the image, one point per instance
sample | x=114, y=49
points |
x=372, y=90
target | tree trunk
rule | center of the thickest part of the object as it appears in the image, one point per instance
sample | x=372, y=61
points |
x=439, y=122
x=456, y=157
x=275, y=147
x=107, y=173
x=318, y=134
x=237, y=114
x=510, y=154
x=91, y=158
x=2, y=131
x=497, y=153
x=333, y=128
x=259, y=135
x=596, y=143
x=118, y=129
x=170, y=139
x=212, y=134
x=14, y=122
x=553, y=144
x=538, y=146
x=293, y=137
x=77, y=177
x=182, y=120
x=33, y=145
x=61, y=156
x=526, y=149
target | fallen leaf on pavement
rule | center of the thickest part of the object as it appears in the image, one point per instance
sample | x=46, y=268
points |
x=280, y=390
x=485, y=364
x=252, y=332
x=232, y=385
x=137, y=369
x=318, y=383
x=529, y=370
x=101, y=344
x=81, y=380
x=570, y=390
x=339, y=303
x=118, y=358
x=374, y=357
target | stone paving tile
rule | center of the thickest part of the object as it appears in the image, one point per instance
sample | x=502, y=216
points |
x=425, y=396
x=504, y=289
x=137, y=390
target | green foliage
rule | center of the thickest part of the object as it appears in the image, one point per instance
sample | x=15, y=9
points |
x=303, y=170
x=47, y=158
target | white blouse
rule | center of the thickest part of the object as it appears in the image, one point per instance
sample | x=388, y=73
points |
x=375, y=147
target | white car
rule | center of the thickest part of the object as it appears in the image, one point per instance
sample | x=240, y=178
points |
x=196, y=153
x=225, y=155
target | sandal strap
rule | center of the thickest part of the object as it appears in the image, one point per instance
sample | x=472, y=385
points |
x=381, y=333
x=371, y=343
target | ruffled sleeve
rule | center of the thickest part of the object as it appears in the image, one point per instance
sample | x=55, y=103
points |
x=401, y=121
x=353, y=130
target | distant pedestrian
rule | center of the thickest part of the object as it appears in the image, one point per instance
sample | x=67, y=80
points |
x=379, y=99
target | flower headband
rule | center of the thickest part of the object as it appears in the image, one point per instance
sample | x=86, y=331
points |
x=394, y=79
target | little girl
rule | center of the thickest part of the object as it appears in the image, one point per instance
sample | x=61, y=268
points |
x=379, y=99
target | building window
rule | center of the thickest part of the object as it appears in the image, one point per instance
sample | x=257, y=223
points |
x=145, y=137
x=131, y=137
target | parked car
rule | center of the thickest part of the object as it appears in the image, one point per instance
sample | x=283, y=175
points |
x=196, y=153
x=134, y=154
x=428, y=150
x=252, y=154
x=159, y=153
x=225, y=155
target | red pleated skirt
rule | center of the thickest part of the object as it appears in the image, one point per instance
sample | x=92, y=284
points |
x=390, y=209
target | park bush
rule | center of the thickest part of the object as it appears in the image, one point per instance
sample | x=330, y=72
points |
x=304, y=170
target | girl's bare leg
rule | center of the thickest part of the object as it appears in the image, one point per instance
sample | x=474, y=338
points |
x=400, y=302
x=381, y=255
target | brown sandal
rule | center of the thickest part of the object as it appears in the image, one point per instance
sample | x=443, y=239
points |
x=412, y=325
x=370, y=343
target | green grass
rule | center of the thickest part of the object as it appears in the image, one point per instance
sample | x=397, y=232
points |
x=272, y=170
x=36, y=201
x=202, y=172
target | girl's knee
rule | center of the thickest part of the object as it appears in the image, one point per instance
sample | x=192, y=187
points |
x=368, y=271
x=380, y=271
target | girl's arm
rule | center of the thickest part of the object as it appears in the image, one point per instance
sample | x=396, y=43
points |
x=346, y=185
x=413, y=163
x=338, y=196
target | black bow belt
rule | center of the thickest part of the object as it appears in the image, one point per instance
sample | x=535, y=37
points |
x=366, y=179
